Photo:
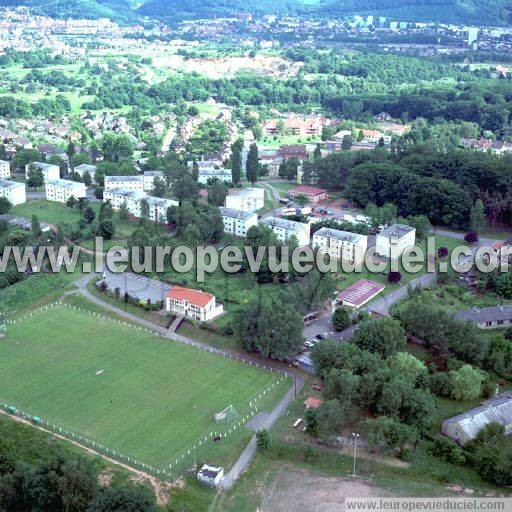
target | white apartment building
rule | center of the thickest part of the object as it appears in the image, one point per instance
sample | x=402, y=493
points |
x=210, y=173
x=285, y=229
x=61, y=190
x=237, y=222
x=133, y=198
x=124, y=182
x=341, y=244
x=50, y=171
x=246, y=200
x=13, y=191
x=83, y=168
x=5, y=169
x=149, y=179
x=398, y=235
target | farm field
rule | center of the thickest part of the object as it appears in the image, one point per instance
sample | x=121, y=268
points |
x=144, y=396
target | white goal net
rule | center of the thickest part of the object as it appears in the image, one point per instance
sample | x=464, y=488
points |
x=225, y=414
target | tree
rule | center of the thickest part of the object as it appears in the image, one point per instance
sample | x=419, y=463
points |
x=346, y=144
x=71, y=202
x=159, y=187
x=387, y=434
x=340, y=319
x=252, y=165
x=477, y=216
x=471, y=237
x=115, y=146
x=301, y=200
x=87, y=179
x=442, y=252
x=107, y=229
x=217, y=192
x=144, y=209
x=330, y=417
x=236, y=162
x=186, y=188
x=394, y=277
x=89, y=215
x=311, y=421
x=124, y=213
x=5, y=205
x=36, y=227
x=407, y=366
x=128, y=498
x=35, y=177
x=317, y=153
x=263, y=439
x=466, y=383
x=384, y=336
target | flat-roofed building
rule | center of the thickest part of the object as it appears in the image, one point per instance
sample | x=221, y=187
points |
x=5, y=169
x=399, y=235
x=13, y=191
x=359, y=293
x=246, y=200
x=85, y=168
x=149, y=179
x=237, y=222
x=50, y=171
x=124, y=182
x=285, y=229
x=341, y=244
x=210, y=173
x=61, y=190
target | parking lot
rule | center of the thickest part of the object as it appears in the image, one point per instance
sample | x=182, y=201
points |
x=138, y=286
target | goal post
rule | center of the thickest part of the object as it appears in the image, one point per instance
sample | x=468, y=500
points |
x=226, y=413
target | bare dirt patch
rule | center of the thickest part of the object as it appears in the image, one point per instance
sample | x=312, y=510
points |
x=296, y=490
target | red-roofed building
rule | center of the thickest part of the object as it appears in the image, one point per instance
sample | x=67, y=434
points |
x=359, y=293
x=190, y=303
x=313, y=402
x=314, y=194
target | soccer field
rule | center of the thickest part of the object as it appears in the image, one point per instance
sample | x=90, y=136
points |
x=142, y=395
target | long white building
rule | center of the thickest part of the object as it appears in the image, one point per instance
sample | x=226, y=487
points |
x=211, y=174
x=398, y=235
x=13, y=191
x=246, y=200
x=341, y=244
x=83, y=168
x=237, y=222
x=124, y=182
x=149, y=179
x=5, y=169
x=50, y=171
x=61, y=190
x=285, y=229
x=133, y=199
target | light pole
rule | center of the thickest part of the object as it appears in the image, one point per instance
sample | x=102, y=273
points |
x=355, y=436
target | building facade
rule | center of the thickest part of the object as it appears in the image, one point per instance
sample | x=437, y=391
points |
x=285, y=229
x=393, y=241
x=124, y=182
x=246, y=200
x=206, y=174
x=84, y=168
x=149, y=179
x=194, y=304
x=61, y=190
x=13, y=191
x=341, y=244
x=50, y=172
x=237, y=222
x=5, y=169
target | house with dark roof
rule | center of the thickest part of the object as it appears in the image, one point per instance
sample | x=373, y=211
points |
x=465, y=427
x=487, y=318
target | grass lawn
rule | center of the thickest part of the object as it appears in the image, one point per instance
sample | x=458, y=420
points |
x=47, y=211
x=153, y=399
x=272, y=142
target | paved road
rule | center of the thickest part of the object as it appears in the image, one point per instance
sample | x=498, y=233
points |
x=245, y=458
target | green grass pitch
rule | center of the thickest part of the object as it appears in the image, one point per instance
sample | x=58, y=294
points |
x=143, y=395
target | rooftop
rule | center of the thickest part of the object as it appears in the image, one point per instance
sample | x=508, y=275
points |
x=120, y=179
x=153, y=173
x=313, y=402
x=235, y=214
x=307, y=190
x=278, y=222
x=343, y=236
x=195, y=297
x=131, y=194
x=248, y=192
x=489, y=314
x=213, y=171
x=66, y=184
x=10, y=184
x=360, y=292
x=396, y=231
x=44, y=165
x=210, y=471
x=85, y=167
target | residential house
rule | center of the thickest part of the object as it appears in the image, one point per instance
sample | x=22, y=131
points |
x=237, y=222
x=194, y=304
x=341, y=244
x=492, y=317
x=13, y=191
x=285, y=229
x=61, y=190
x=398, y=236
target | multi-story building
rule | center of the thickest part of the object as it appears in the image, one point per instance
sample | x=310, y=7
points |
x=133, y=199
x=124, y=182
x=195, y=304
x=285, y=229
x=246, y=200
x=237, y=222
x=149, y=179
x=83, y=168
x=210, y=173
x=5, y=169
x=50, y=171
x=341, y=244
x=398, y=235
x=61, y=190
x=13, y=191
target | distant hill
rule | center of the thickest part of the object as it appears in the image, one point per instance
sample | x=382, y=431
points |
x=478, y=12
x=117, y=10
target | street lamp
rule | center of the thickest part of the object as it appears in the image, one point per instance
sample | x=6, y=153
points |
x=355, y=436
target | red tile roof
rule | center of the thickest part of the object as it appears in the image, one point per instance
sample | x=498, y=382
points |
x=194, y=297
x=306, y=189
x=313, y=402
x=360, y=292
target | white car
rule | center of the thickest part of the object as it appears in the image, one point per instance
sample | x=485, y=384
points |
x=308, y=344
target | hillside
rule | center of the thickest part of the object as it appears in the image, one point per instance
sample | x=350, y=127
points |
x=478, y=12
x=117, y=10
